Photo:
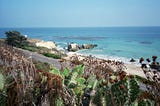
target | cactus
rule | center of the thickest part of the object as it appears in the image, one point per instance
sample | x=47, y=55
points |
x=125, y=91
x=146, y=102
x=3, y=97
x=1, y=82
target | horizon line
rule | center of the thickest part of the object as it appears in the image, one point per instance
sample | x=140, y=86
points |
x=79, y=26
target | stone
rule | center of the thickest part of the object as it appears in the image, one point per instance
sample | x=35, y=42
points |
x=132, y=60
x=41, y=43
x=88, y=46
x=73, y=47
x=32, y=42
x=47, y=44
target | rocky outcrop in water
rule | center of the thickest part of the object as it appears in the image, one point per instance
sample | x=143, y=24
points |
x=88, y=46
x=75, y=47
x=132, y=60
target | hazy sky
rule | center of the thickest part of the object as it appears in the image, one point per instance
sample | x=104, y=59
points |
x=79, y=13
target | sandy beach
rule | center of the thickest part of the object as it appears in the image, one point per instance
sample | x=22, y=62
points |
x=134, y=69
x=131, y=68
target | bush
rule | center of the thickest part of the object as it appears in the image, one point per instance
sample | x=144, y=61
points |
x=31, y=48
x=15, y=38
x=55, y=56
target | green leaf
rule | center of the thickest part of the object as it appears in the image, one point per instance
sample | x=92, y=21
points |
x=74, y=77
x=78, y=91
x=95, y=84
x=113, y=77
x=80, y=80
x=55, y=71
x=59, y=102
x=66, y=72
x=1, y=81
x=91, y=81
x=133, y=89
x=79, y=69
x=72, y=85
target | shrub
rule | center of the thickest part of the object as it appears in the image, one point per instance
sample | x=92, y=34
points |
x=31, y=48
x=55, y=56
x=15, y=38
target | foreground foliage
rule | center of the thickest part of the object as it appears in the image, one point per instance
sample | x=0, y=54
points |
x=84, y=82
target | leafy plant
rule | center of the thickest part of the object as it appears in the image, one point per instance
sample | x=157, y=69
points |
x=90, y=83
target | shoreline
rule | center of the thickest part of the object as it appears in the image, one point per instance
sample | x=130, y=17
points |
x=131, y=67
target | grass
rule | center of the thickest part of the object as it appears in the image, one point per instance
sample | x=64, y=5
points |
x=55, y=56
x=38, y=49
x=31, y=48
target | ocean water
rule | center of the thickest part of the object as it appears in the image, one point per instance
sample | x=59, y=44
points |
x=120, y=43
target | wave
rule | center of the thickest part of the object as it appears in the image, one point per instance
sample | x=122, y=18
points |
x=107, y=57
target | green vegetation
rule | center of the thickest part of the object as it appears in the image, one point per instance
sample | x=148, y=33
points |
x=55, y=56
x=31, y=48
x=2, y=95
x=42, y=50
x=87, y=82
x=1, y=81
x=99, y=92
x=144, y=80
x=15, y=38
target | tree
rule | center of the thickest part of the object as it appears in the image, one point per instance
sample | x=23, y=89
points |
x=15, y=38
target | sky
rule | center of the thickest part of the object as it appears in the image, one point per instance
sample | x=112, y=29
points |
x=79, y=13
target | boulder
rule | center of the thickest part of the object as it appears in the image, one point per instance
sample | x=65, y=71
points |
x=132, y=60
x=32, y=42
x=41, y=43
x=47, y=44
x=88, y=46
x=73, y=47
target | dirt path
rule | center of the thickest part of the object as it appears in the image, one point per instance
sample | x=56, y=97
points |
x=41, y=58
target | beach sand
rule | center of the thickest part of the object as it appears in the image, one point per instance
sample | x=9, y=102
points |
x=134, y=70
x=131, y=68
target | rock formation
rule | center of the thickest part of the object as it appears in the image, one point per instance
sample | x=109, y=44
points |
x=75, y=47
x=47, y=44
x=132, y=60
x=41, y=43
x=88, y=46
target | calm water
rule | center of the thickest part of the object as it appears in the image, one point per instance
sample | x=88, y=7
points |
x=113, y=42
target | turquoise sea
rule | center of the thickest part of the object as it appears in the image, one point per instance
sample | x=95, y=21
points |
x=120, y=43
